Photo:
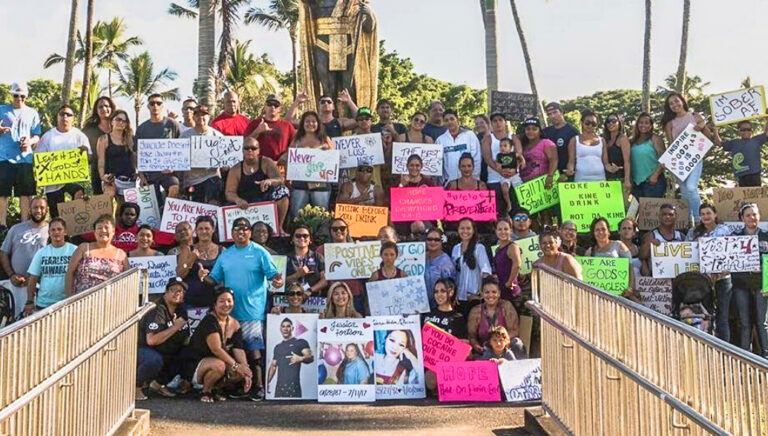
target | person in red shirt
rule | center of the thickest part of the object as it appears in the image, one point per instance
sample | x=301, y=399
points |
x=231, y=122
x=273, y=133
x=127, y=229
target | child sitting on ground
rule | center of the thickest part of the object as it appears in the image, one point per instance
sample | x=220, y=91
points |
x=498, y=347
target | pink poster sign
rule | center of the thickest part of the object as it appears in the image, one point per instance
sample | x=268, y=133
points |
x=439, y=346
x=477, y=381
x=412, y=204
x=478, y=205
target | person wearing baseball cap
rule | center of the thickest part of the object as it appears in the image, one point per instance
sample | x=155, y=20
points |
x=560, y=133
x=20, y=130
x=540, y=153
x=273, y=132
x=364, y=123
x=202, y=185
x=163, y=333
x=362, y=190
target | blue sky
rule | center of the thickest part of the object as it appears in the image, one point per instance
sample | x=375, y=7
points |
x=577, y=47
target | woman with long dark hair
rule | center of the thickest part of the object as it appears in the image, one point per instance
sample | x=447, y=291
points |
x=196, y=260
x=394, y=364
x=387, y=269
x=507, y=260
x=116, y=157
x=472, y=264
x=492, y=312
x=310, y=134
x=98, y=124
x=305, y=265
x=439, y=264
x=586, y=153
x=353, y=369
x=646, y=146
x=616, y=157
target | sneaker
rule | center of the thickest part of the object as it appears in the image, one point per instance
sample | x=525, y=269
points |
x=160, y=389
x=140, y=395
x=238, y=394
x=256, y=395
x=174, y=384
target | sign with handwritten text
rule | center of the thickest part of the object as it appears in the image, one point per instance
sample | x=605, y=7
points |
x=478, y=205
x=265, y=212
x=610, y=274
x=412, y=257
x=313, y=165
x=163, y=154
x=61, y=167
x=363, y=220
x=582, y=202
x=431, y=158
x=655, y=294
x=439, y=346
x=160, y=269
x=215, y=151
x=670, y=259
x=734, y=106
x=412, y=204
x=149, y=208
x=729, y=254
x=729, y=200
x=530, y=252
x=359, y=148
x=352, y=260
x=534, y=196
x=476, y=381
x=177, y=211
x=687, y=150
x=313, y=304
x=392, y=383
x=521, y=380
x=401, y=296
x=336, y=340
x=81, y=214
x=648, y=212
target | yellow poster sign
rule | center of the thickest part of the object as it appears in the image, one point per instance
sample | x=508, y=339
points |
x=60, y=167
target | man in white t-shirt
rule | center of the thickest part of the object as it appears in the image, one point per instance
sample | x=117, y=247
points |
x=65, y=136
x=455, y=142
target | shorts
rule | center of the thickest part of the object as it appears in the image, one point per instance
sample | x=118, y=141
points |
x=206, y=191
x=164, y=180
x=253, y=335
x=17, y=178
x=511, y=181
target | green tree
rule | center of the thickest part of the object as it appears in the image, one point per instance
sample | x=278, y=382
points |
x=138, y=80
x=252, y=78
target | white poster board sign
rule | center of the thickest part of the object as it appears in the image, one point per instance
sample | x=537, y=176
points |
x=366, y=147
x=313, y=165
x=734, y=106
x=431, y=158
x=655, y=294
x=398, y=358
x=176, y=211
x=687, y=150
x=149, y=208
x=402, y=296
x=354, y=260
x=729, y=254
x=215, y=151
x=345, y=365
x=160, y=269
x=163, y=154
x=291, y=365
x=265, y=212
x=521, y=380
x=412, y=257
x=670, y=259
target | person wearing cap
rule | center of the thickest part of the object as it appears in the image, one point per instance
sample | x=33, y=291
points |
x=231, y=122
x=560, y=133
x=540, y=153
x=455, y=142
x=384, y=110
x=435, y=127
x=273, y=133
x=159, y=126
x=363, y=118
x=334, y=127
x=163, y=333
x=245, y=268
x=202, y=185
x=362, y=190
x=19, y=133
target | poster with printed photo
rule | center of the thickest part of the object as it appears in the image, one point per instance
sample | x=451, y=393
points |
x=345, y=361
x=398, y=362
x=291, y=365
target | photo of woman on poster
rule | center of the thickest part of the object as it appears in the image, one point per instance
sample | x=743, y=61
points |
x=353, y=370
x=395, y=357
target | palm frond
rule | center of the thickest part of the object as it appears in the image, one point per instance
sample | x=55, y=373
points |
x=53, y=59
x=182, y=12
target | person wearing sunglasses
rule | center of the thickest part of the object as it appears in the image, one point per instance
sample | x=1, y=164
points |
x=295, y=297
x=188, y=107
x=415, y=132
x=339, y=231
x=159, y=126
x=361, y=190
x=65, y=136
x=745, y=152
x=273, y=133
x=616, y=157
x=19, y=133
x=334, y=126
x=202, y=185
x=116, y=157
x=98, y=124
x=521, y=225
x=311, y=134
x=438, y=263
x=586, y=154
x=304, y=265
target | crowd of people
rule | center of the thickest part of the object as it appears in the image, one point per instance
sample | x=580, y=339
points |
x=475, y=286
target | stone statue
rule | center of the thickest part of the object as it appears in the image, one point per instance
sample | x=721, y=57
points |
x=339, y=49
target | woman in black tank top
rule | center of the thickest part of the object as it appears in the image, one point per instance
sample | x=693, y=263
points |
x=116, y=159
x=415, y=133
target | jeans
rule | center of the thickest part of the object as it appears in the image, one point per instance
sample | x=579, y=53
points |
x=689, y=190
x=647, y=189
x=150, y=363
x=56, y=197
x=752, y=306
x=723, y=290
x=300, y=198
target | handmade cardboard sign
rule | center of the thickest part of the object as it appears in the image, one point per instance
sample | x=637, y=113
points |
x=216, y=151
x=81, y=214
x=729, y=254
x=534, y=196
x=582, y=202
x=728, y=200
x=431, y=158
x=440, y=346
x=478, y=205
x=354, y=148
x=149, y=208
x=402, y=296
x=734, y=106
x=163, y=154
x=514, y=105
x=397, y=359
x=291, y=365
x=282, y=263
x=412, y=257
x=412, y=204
x=314, y=304
x=345, y=366
x=363, y=220
x=655, y=294
x=521, y=380
x=687, y=150
x=670, y=259
x=476, y=381
x=61, y=167
x=648, y=212
x=160, y=269
x=610, y=274
x=313, y=165
x=354, y=260
x=530, y=252
x=265, y=212
x=176, y=211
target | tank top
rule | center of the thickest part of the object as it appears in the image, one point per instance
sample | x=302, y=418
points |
x=487, y=323
x=678, y=237
x=398, y=274
x=118, y=160
x=356, y=193
x=503, y=264
x=616, y=157
x=493, y=176
x=423, y=138
x=333, y=128
x=644, y=160
x=612, y=251
x=559, y=262
x=679, y=124
x=200, y=294
x=92, y=271
x=589, y=161
x=248, y=188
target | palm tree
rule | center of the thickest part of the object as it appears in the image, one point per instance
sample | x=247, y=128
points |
x=680, y=83
x=280, y=15
x=113, y=45
x=250, y=77
x=488, y=7
x=694, y=87
x=647, y=59
x=69, y=64
x=139, y=80
x=527, y=59
x=87, y=67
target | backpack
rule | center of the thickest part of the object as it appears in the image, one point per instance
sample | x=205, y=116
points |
x=7, y=307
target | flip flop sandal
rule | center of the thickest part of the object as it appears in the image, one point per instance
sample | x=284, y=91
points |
x=218, y=396
x=206, y=397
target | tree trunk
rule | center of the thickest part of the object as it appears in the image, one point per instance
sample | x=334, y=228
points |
x=680, y=82
x=109, y=81
x=137, y=109
x=69, y=62
x=527, y=59
x=84, y=100
x=206, y=52
x=294, y=63
x=647, y=59
x=488, y=8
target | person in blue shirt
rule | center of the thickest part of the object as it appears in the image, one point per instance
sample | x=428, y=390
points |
x=353, y=370
x=49, y=269
x=19, y=133
x=245, y=268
